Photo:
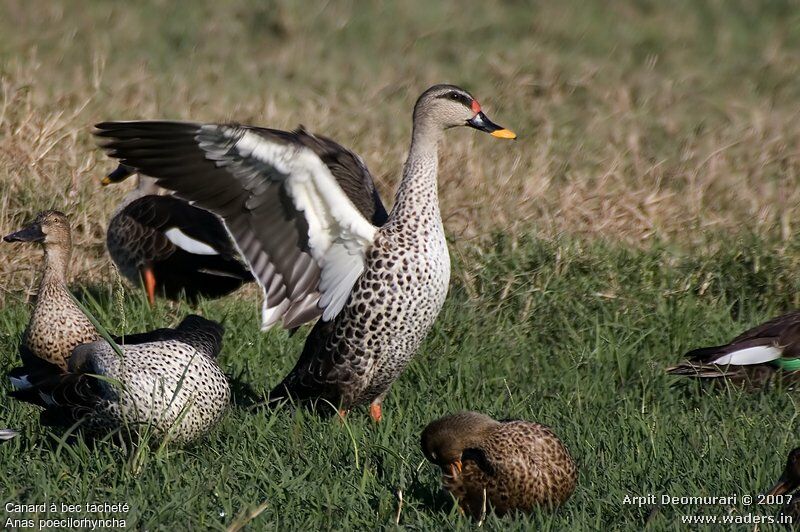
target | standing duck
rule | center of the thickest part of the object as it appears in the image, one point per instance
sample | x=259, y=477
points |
x=787, y=486
x=173, y=247
x=753, y=359
x=306, y=239
x=56, y=325
x=167, y=380
x=518, y=464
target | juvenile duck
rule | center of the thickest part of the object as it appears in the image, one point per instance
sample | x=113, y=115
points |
x=788, y=483
x=56, y=325
x=521, y=465
x=753, y=359
x=170, y=246
x=308, y=241
x=167, y=379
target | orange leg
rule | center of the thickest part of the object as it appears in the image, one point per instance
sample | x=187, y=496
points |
x=342, y=414
x=150, y=284
x=375, y=412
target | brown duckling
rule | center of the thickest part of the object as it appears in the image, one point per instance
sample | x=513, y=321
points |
x=56, y=325
x=521, y=465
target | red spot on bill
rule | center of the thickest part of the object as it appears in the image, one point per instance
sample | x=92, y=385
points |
x=476, y=107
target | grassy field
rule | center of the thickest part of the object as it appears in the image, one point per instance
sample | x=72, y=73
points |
x=647, y=208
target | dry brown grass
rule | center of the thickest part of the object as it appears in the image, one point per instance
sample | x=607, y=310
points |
x=637, y=122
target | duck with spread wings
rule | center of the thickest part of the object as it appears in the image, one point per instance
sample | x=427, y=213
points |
x=310, y=241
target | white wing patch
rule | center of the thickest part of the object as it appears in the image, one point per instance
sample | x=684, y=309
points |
x=187, y=243
x=338, y=235
x=750, y=355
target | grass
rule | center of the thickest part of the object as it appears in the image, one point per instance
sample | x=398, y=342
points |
x=647, y=208
x=569, y=334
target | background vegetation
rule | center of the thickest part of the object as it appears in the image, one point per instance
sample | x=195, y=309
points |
x=647, y=208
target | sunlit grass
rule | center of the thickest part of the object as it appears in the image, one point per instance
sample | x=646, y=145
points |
x=647, y=207
x=572, y=335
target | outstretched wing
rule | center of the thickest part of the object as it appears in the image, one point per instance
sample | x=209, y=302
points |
x=301, y=235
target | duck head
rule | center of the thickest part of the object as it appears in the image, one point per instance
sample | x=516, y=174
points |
x=445, y=440
x=49, y=228
x=448, y=106
x=790, y=479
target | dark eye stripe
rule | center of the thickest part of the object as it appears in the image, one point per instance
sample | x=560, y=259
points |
x=458, y=97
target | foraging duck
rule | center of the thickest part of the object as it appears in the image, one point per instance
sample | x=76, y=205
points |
x=173, y=247
x=56, y=325
x=753, y=359
x=307, y=240
x=167, y=380
x=521, y=465
x=788, y=483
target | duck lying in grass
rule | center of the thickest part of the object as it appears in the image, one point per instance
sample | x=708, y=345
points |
x=502, y=466
x=753, y=359
x=167, y=379
x=171, y=246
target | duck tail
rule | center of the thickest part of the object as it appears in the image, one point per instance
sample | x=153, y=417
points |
x=694, y=370
x=202, y=334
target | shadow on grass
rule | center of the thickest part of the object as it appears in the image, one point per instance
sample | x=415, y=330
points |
x=437, y=500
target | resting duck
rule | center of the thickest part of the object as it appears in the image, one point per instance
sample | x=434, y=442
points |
x=521, y=465
x=753, y=359
x=56, y=325
x=171, y=246
x=167, y=378
x=302, y=211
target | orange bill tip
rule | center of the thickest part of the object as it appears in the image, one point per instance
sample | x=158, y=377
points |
x=105, y=181
x=504, y=134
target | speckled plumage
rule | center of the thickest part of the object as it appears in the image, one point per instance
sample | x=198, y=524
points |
x=165, y=379
x=56, y=324
x=521, y=465
x=314, y=250
x=355, y=359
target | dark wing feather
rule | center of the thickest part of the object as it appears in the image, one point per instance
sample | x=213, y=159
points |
x=315, y=375
x=136, y=237
x=201, y=165
x=783, y=331
x=202, y=334
x=66, y=395
x=166, y=212
x=349, y=170
x=773, y=328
